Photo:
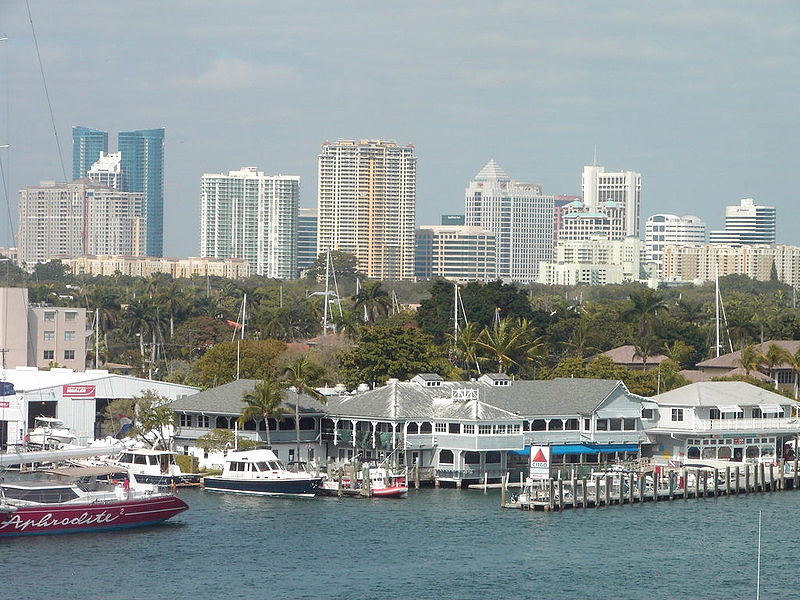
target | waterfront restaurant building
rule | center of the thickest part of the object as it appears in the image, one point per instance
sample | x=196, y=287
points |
x=723, y=420
x=454, y=431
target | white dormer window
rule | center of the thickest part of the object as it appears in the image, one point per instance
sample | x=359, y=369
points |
x=677, y=414
x=441, y=427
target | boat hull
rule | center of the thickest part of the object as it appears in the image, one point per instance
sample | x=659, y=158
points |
x=387, y=492
x=306, y=487
x=185, y=480
x=82, y=518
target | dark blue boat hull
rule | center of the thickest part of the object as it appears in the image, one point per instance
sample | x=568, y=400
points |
x=264, y=487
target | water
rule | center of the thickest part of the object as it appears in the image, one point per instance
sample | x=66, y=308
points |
x=435, y=544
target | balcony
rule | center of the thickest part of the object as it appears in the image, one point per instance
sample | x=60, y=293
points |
x=456, y=441
x=748, y=425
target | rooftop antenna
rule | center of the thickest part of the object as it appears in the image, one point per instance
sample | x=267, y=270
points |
x=594, y=156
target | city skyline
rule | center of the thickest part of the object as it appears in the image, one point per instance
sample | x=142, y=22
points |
x=687, y=105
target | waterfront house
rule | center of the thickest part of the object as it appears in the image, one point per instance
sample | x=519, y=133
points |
x=726, y=420
x=729, y=364
x=625, y=356
x=221, y=407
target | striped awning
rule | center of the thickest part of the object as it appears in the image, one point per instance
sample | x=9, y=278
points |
x=770, y=409
x=729, y=408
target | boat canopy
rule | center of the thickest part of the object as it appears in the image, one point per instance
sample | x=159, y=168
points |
x=771, y=409
x=86, y=471
x=582, y=449
x=729, y=408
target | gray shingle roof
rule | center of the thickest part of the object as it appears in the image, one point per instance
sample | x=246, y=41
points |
x=227, y=400
x=404, y=400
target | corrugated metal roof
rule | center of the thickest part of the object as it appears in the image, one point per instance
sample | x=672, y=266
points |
x=714, y=393
x=227, y=400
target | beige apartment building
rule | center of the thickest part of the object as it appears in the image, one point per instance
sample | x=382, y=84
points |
x=136, y=266
x=702, y=262
x=366, y=202
x=40, y=336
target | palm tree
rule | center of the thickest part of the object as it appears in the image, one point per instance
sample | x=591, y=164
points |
x=265, y=401
x=173, y=300
x=505, y=342
x=137, y=321
x=750, y=358
x=467, y=347
x=299, y=377
x=643, y=310
x=374, y=298
x=644, y=348
x=581, y=341
x=774, y=357
x=678, y=351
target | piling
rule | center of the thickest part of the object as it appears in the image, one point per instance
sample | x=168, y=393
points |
x=794, y=475
x=656, y=485
x=608, y=491
x=705, y=483
x=737, y=480
x=502, y=491
x=631, y=482
x=781, y=475
x=641, y=487
x=339, y=492
x=727, y=481
x=584, y=492
x=560, y=494
x=416, y=476
x=764, y=479
x=671, y=487
x=574, y=491
x=685, y=483
x=552, y=492
x=716, y=482
x=596, y=492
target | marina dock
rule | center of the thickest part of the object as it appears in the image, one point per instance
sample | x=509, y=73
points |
x=657, y=485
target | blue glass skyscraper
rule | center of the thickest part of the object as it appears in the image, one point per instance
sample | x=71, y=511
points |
x=143, y=171
x=87, y=144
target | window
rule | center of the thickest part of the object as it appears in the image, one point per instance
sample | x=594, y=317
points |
x=648, y=413
x=69, y=336
x=571, y=424
x=69, y=354
x=468, y=429
x=70, y=315
x=453, y=428
x=441, y=427
x=446, y=457
x=714, y=414
x=677, y=414
x=629, y=424
x=587, y=424
x=615, y=424
x=49, y=315
x=202, y=421
x=49, y=336
x=185, y=420
x=484, y=429
x=757, y=413
x=602, y=424
x=49, y=354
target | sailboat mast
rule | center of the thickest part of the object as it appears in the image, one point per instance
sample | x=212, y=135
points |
x=327, y=283
x=244, y=314
x=96, y=338
x=716, y=305
x=455, y=312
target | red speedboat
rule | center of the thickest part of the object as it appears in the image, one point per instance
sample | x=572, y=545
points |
x=76, y=501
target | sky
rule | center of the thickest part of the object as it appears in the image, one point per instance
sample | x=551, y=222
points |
x=701, y=98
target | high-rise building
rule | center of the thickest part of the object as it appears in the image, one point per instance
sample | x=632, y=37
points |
x=87, y=144
x=456, y=252
x=107, y=170
x=662, y=230
x=520, y=217
x=594, y=261
x=618, y=192
x=366, y=202
x=246, y=214
x=77, y=218
x=306, y=238
x=143, y=172
x=748, y=223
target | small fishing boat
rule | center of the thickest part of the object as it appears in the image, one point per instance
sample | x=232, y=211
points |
x=75, y=500
x=49, y=432
x=260, y=472
x=155, y=467
x=382, y=483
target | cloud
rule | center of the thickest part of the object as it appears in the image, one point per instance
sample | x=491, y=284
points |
x=237, y=74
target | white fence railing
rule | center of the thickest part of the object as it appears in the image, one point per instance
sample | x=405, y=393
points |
x=749, y=425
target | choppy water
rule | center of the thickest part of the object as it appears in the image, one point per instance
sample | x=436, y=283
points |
x=435, y=544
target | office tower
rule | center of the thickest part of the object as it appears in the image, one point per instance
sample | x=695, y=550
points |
x=306, y=238
x=453, y=219
x=143, y=172
x=617, y=193
x=87, y=144
x=107, y=170
x=748, y=223
x=520, y=217
x=456, y=252
x=77, y=218
x=366, y=201
x=662, y=230
x=246, y=214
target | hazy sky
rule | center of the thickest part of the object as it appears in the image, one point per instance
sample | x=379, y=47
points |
x=702, y=98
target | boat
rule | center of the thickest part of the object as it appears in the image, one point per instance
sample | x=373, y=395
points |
x=260, y=472
x=49, y=432
x=382, y=483
x=75, y=500
x=155, y=467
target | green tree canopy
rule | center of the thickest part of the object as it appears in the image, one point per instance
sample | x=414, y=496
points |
x=257, y=360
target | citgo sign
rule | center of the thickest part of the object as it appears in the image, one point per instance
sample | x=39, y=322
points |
x=540, y=462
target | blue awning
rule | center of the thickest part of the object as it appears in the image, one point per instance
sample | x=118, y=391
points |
x=582, y=449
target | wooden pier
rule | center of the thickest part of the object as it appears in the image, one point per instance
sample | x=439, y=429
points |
x=670, y=483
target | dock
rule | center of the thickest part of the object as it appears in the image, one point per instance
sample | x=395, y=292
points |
x=683, y=483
